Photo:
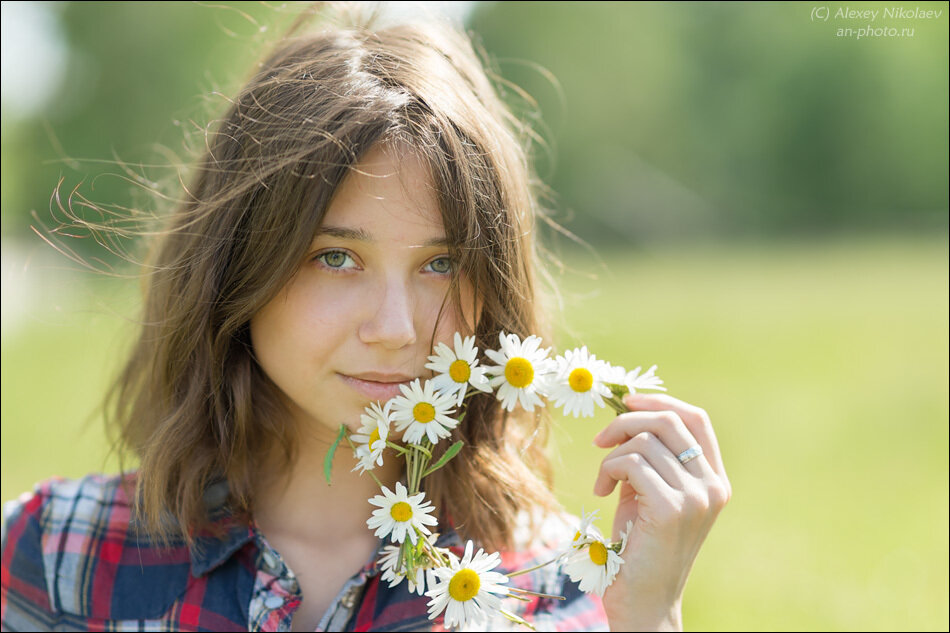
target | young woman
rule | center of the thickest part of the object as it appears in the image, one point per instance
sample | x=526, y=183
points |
x=366, y=196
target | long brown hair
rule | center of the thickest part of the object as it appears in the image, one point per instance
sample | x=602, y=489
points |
x=192, y=403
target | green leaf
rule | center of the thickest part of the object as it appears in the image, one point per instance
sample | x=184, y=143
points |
x=449, y=454
x=328, y=460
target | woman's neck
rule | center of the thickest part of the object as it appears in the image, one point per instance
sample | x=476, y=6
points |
x=301, y=505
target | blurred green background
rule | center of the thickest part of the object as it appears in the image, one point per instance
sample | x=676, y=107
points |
x=767, y=205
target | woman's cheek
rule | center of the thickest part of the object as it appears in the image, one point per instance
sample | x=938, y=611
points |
x=450, y=321
x=453, y=320
x=328, y=303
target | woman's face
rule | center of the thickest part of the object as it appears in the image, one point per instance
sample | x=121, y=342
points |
x=356, y=319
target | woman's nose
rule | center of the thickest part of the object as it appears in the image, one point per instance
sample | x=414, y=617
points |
x=391, y=321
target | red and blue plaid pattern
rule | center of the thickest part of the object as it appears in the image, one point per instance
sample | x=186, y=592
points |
x=73, y=559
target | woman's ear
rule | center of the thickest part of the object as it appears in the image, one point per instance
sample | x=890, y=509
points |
x=478, y=312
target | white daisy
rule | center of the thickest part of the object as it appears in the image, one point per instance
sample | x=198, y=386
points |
x=634, y=381
x=579, y=382
x=615, y=375
x=370, y=440
x=595, y=565
x=423, y=412
x=586, y=532
x=389, y=561
x=458, y=368
x=400, y=515
x=466, y=590
x=522, y=371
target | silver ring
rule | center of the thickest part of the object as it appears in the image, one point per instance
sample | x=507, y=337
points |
x=690, y=453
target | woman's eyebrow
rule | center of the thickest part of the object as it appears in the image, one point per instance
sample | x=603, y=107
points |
x=344, y=233
x=361, y=235
x=441, y=242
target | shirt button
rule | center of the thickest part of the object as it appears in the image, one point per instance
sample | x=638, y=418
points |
x=350, y=597
x=273, y=602
x=288, y=583
x=270, y=561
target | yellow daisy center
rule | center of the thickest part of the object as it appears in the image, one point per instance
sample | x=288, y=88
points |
x=519, y=372
x=374, y=436
x=460, y=371
x=401, y=511
x=598, y=553
x=581, y=380
x=423, y=412
x=464, y=585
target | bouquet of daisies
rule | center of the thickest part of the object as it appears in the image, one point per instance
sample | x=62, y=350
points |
x=466, y=589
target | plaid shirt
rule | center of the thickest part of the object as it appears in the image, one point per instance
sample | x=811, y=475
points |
x=72, y=560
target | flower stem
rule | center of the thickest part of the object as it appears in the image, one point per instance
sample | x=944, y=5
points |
x=617, y=405
x=402, y=450
x=412, y=461
x=375, y=478
x=517, y=619
x=535, y=593
x=530, y=569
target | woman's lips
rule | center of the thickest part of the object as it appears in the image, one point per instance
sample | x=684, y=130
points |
x=375, y=390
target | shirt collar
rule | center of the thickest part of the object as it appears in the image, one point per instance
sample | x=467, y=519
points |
x=214, y=546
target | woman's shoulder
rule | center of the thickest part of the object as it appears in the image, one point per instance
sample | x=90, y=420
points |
x=59, y=503
x=66, y=515
x=66, y=547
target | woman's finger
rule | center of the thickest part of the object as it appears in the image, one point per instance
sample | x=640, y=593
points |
x=666, y=425
x=657, y=455
x=633, y=468
x=696, y=421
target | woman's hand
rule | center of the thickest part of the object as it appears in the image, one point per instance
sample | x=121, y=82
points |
x=671, y=505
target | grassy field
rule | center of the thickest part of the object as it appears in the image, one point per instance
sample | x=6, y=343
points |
x=824, y=368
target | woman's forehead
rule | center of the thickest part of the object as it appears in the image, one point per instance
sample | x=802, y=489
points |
x=386, y=193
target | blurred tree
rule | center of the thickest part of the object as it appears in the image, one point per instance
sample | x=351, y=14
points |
x=136, y=78
x=668, y=119
x=730, y=118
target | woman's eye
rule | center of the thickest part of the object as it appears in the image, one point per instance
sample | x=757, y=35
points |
x=441, y=265
x=335, y=259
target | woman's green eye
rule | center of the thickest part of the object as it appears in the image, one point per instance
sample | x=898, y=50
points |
x=333, y=259
x=442, y=265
